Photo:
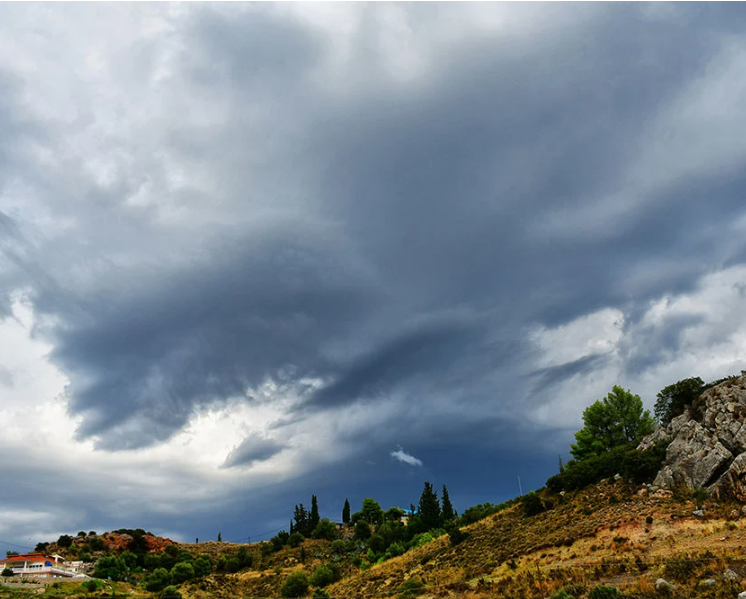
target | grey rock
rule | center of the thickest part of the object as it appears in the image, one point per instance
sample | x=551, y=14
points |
x=730, y=575
x=698, y=513
x=617, y=476
x=663, y=585
x=742, y=595
x=707, y=444
x=709, y=582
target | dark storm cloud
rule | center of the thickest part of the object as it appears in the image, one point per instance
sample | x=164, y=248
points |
x=252, y=449
x=432, y=197
x=553, y=375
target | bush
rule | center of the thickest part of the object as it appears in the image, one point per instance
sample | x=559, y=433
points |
x=90, y=586
x=232, y=565
x=203, y=566
x=635, y=466
x=603, y=592
x=295, y=539
x=65, y=541
x=322, y=576
x=325, y=529
x=109, y=567
x=562, y=594
x=170, y=593
x=338, y=546
x=411, y=588
x=532, y=504
x=395, y=549
x=362, y=530
x=320, y=594
x=7, y=572
x=182, y=572
x=456, y=535
x=158, y=580
x=295, y=585
x=377, y=543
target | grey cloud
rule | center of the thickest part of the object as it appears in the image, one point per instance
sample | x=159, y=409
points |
x=252, y=449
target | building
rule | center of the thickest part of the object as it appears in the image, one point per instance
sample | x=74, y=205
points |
x=37, y=565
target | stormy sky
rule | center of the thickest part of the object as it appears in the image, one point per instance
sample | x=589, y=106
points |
x=251, y=252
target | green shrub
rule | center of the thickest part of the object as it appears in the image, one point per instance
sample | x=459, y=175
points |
x=182, y=572
x=322, y=576
x=562, y=594
x=411, y=588
x=635, y=466
x=603, y=592
x=158, y=580
x=295, y=539
x=7, y=572
x=90, y=586
x=232, y=565
x=320, y=594
x=295, y=585
x=170, y=593
x=532, y=504
x=338, y=546
x=325, y=529
x=203, y=566
x=362, y=530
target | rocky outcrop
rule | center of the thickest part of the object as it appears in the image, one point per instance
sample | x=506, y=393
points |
x=707, y=444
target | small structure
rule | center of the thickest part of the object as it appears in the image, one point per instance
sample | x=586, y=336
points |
x=37, y=565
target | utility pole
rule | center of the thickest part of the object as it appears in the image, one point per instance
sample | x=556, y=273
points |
x=520, y=489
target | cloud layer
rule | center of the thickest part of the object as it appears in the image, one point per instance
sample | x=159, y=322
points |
x=260, y=245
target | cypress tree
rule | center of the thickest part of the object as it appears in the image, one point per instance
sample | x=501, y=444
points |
x=301, y=520
x=220, y=537
x=346, y=512
x=429, y=508
x=313, y=518
x=447, y=513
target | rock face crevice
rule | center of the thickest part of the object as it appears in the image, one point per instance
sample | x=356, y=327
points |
x=707, y=443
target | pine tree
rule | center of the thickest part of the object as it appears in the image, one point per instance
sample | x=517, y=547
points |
x=313, y=518
x=447, y=513
x=292, y=528
x=220, y=537
x=429, y=508
x=346, y=512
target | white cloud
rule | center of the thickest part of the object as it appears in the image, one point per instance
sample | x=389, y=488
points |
x=405, y=458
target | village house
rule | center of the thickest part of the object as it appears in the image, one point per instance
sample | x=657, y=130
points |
x=37, y=565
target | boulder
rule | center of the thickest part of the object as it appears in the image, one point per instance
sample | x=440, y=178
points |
x=663, y=585
x=730, y=575
x=698, y=513
x=708, y=582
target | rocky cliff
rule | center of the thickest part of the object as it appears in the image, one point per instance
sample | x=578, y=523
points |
x=707, y=443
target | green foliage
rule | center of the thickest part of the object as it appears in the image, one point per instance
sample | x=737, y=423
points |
x=674, y=399
x=232, y=565
x=7, y=572
x=338, y=546
x=393, y=514
x=184, y=556
x=428, y=511
x=203, y=566
x=96, y=543
x=313, y=517
x=90, y=586
x=371, y=511
x=220, y=537
x=482, y=510
x=362, y=530
x=411, y=588
x=64, y=541
x=562, y=594
x=323, y=576
x=455, y=534
x=603, y=592
x=152, y=561
x=700, y=494
x=446, y=512
x=245, y=559
x=395, y=549
x=421, y=539
x=346, y=512
x=295, y=539
x=616, y=420
x=182, y=572
x=41, y=547
x=325, y=529
x=170, y=593
x=221, y=566
x=320, y=594
x=129, y=559
x=109, y=567
x=532, y=504
x=158, y=580
x=635, y=466
x=295, y=585
x=171, y=550
x=377, y=543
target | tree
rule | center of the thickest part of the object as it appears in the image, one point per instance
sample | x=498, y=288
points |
x=109, y=567
x=429, y=508
x=618, y=419
x=220, y=537
x=182, y=572
x=158, y=580
x=202, y=566
x=295, y=585
x=313, y=517
x=295, y=539
x=346, y=512
x=372, y=512
x=447, y=513
x=362, y=530
x=65, y=541
x=300, y=515
x=170, y=593
x=674, y=399
x=325, y=529
x=322, y=576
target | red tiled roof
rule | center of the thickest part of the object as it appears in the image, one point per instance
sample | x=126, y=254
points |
x=27, y=557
